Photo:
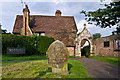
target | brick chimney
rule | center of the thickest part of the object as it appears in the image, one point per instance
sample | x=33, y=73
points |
x=58, y=13
x=26, y=18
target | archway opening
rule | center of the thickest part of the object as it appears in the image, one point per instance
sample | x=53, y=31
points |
x=85, y=48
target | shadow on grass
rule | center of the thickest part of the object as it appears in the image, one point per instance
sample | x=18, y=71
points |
x=42, y=73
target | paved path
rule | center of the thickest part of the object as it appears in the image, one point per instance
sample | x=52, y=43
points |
x=100, y=69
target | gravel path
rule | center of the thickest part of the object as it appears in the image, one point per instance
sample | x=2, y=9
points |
x=100, y=69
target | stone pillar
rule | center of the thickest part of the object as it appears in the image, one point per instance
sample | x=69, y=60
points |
x=79, y=51
x=76, y=49
x=78, y=54
x=92, y=50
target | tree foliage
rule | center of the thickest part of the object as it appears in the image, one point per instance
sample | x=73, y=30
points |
x=106, y=17
x=96, y=35
x=4, y=31
x=117, y=31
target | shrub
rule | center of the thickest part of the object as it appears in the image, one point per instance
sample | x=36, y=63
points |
x=33, y=45
x=43, y=43
x=85, y=51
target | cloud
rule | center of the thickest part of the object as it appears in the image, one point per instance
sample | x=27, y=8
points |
x=45, y=8
x=57, y=1
x=9, y=12
x=11, y=9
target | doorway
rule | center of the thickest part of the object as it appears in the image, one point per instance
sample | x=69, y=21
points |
x=85, y=48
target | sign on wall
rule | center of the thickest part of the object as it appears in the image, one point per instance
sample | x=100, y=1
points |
x=116, y=44
x=15, y=50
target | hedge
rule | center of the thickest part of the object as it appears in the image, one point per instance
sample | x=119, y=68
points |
x=85, y=51
x=32, y=44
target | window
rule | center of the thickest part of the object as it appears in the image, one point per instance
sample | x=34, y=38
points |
x=42, y=34
x=116, y=44
x=106, y=43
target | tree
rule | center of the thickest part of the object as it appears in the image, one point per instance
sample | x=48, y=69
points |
x=106, y=17
x=96, y=35
x=4, y=31
x=117, y=31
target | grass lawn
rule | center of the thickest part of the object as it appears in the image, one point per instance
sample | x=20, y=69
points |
x=31, y=57
x=39, y=69
x=9, y=63
x=107, y=59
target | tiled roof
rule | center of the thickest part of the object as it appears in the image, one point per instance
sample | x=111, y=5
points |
x=55, y=26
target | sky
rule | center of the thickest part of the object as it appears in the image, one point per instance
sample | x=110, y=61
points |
x=10, y=9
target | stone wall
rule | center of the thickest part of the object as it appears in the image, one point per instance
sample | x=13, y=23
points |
x=106, y=51
x=71, y=51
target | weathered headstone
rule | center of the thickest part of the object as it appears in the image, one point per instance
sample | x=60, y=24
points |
x=57, y=57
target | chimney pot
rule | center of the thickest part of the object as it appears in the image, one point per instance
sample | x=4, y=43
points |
x=58, y=13
x=26, y=6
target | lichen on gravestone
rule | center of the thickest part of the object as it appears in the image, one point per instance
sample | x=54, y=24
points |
x=57, y=55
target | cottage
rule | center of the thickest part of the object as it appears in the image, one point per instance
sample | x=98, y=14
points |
x=62, y=28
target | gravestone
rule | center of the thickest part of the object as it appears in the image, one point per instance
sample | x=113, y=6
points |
x=57, y=57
